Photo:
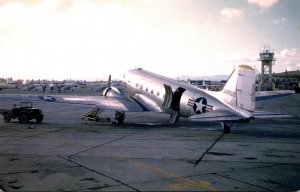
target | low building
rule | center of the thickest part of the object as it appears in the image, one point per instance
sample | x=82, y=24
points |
x=288, y=80
x=210, y=85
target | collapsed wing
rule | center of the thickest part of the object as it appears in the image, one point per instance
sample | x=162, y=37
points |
x=264, y=95
x=105, y=103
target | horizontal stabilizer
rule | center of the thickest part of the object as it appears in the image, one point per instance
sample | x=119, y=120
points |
x=216, y=115
x=269, y=114
x=264, y=95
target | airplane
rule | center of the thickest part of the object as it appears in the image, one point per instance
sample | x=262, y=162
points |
x=7, y=85
x=69, y=86
x=32, y=85
x=147, y=91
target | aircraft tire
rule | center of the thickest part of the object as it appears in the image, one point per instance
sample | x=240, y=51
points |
x=119, y=117
x=226, y=126
x=174, y=117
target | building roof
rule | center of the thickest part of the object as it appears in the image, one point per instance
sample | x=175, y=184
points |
x=288, y=73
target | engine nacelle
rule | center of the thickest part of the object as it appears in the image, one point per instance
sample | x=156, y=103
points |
x=111, y=91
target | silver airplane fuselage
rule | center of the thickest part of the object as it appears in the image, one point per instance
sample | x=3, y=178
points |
x=163, y=94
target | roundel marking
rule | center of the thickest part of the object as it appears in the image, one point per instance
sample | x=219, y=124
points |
x=200, y=105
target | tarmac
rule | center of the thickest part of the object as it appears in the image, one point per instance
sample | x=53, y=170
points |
x=147, y=153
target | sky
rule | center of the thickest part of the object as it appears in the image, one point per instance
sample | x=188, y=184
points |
x=90, y=39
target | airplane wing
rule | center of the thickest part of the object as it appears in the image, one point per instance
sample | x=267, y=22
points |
x=216, y=115
x=105, y=103
x=269, y=114
x=264, y=95
x=223, y=115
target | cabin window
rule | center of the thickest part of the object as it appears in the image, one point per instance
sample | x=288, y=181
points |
x=136, y=85
x=152, y=91
x=158, y=93
x=141, y=86
x=146, y=88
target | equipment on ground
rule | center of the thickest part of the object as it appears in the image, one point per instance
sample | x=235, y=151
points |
x=93, y=115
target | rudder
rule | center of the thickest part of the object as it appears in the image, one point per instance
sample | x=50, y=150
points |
x=239, y=91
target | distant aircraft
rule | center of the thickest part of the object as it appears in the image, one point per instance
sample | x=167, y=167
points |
x=71, y=86
x=7, y=85
x=146, y=91
x=31, y=87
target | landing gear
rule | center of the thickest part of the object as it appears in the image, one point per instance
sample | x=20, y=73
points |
x=226, y=126
x=174, y=117
x=119, y=117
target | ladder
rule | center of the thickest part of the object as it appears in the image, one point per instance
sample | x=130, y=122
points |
x=92, y=115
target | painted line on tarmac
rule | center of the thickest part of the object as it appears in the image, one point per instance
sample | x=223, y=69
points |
x=188, y=183
x=102, y=174
x=111, y=141
x=202, y=156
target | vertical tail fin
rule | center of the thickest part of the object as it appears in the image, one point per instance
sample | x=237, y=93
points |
x=239, y=91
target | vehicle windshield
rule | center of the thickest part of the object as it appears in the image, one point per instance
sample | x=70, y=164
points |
x=26, y=104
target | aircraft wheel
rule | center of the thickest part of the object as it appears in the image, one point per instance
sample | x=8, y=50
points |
x=174, y=117
x=119, y=117
x=226, y=127
x=24, y=118
x=6, y=117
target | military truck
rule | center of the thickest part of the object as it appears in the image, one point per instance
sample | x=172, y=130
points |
x=24, y=112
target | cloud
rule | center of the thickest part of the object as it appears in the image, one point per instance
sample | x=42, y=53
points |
x=288, y=53
x=291, y=65
x=287, y=59
x=92, y=40
x=231, y=13
x=277, y=21
x=264, y=4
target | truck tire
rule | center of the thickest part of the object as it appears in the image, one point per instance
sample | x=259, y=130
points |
x=6, y=117
x=39, y=118
x=23, y=118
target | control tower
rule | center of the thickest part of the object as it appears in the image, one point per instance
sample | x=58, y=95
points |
x=266, y=56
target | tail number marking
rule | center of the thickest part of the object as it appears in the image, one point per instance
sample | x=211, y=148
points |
x=230, y=93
